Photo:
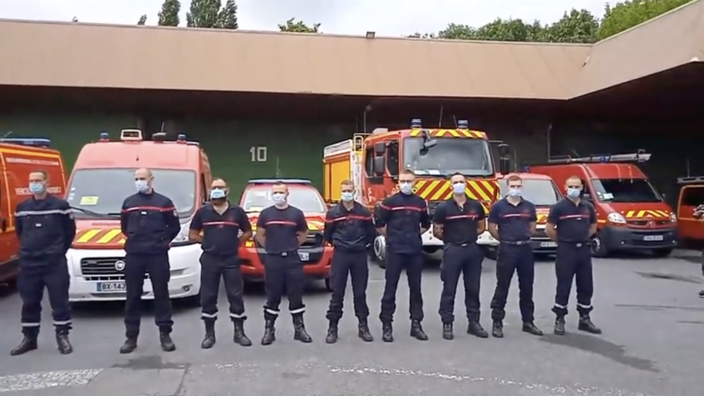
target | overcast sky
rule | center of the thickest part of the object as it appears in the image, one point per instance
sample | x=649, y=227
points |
x=385, y=17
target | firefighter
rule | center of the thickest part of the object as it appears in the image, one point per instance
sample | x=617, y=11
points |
x=458, y=221
x=512, y=222
x=149, y=222
x=220, y=223
x=699, y=214
x=402, y=218
x=349, y=228
x=45, y=229
x=571, y=223
x=281, y=229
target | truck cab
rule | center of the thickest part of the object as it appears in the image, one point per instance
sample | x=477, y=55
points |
x=631, y=214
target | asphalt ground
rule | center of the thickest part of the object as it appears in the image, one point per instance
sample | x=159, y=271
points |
x=653, y=344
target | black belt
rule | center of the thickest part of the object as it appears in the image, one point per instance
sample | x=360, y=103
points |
x=461, y=244
x=515, y=242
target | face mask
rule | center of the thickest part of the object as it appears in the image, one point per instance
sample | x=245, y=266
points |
x=458, y=188
x=406, y=188
x=573, y=192
x=514, y=192
x=347, y=196
x=217, y=193
x=36, y=187
x=141, y=185
x=278, y=198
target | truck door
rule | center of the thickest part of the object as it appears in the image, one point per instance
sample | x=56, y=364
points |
x=690, y=197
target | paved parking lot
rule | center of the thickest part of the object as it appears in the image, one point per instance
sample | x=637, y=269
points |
x=652, y=345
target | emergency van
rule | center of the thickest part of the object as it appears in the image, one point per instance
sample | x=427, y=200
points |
x=102, y=177
x=315, y=253
x=543, y=193
x=18, y=158
x=691, y=195
x=631, y=214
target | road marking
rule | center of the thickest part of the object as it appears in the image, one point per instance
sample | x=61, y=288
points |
x=51, y=379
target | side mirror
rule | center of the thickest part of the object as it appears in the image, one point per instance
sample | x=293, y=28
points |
x=379, y=148
x=504, y=164
x=430, y=143
x=504, y=150
x=378, y=166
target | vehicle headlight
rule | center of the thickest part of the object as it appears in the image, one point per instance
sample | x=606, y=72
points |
x=673, y=218
x=616, y=218
x=182, y=237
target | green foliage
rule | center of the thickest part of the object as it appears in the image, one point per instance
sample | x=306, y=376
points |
x=227, y=17
x=627, y=14
x=574, y=27
x=142, y=20
x=292, y=25
x=168, y=16
x=203, y=14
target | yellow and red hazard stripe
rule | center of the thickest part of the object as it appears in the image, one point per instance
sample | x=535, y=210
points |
x=542, y=217
x=646, y=214
x=454, y=133
x=99, y=236
x=485, y=191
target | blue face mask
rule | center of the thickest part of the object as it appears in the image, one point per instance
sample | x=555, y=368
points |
x=36, y=187
x=573, y=192
x=515, y=192
x=141, y=185
x=217, y=193
x=347, y=196
x=278, y=198
x=458, y=188
x=406, y=188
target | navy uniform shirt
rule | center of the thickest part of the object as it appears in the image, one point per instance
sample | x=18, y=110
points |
x=149, y=222
x=45, y=229
x=281, y=227
x=572, y=221
x=403, y=215
x=459, y=224
x=349, y=230
x=513, y=221
x=221, y=231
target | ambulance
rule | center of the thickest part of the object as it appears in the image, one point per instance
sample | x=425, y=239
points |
x=102, y=177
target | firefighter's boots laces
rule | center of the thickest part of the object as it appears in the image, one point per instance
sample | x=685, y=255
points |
x=387, y=332
x=497, y=329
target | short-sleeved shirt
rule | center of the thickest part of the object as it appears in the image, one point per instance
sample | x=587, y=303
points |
x=459, y=224
x=403, y=215
x=349, y=229
x=572, y=220
x=221, y=231
x=513, y=220
x=282, y=227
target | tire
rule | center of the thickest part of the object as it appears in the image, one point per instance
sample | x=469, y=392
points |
x=597, y=247
x=379, y=249
x=663, y=252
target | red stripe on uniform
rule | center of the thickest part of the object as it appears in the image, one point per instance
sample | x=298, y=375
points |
x=156, y=208
x=229, y=223
x=280, y=222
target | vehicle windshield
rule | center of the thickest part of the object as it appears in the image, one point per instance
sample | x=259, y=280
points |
x=470, y=157
x=541, y=192
x=101, y=192
x=625, y=190
x=305, y=199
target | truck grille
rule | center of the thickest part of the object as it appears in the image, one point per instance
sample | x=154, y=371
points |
x=102, y=269
x=645, y=222
x=314, y=240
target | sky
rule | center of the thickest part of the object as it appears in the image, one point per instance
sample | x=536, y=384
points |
x=355, y=17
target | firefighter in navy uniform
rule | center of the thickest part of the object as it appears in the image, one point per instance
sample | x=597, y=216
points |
x=149, y=222
x=349, y=228
x=403, y=218
x=571, y=223
x=45, y=229
x=512, y=222
x=699, y=214
x=458, y=221
x=224, y=228
x=281, y=230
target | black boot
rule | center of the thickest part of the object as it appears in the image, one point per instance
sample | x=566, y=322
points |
x=476, y=329
x=497, y=329
x=387, y=332
x=363, y=331
x=299, y=330
x=209, y=339
x=447, y=331
x=239, y=336
x=586, y=324
x=269, y=332
x=417, y=331
x=331, y=338
x=559, y=326
x=62, y=342
x=129, y=346
x=531, y=328
x=167, y=344
x=28, y=343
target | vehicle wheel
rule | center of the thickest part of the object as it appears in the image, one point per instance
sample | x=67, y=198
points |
x=328, y=286
x=491, y=252
x=597, y=247
x=380, y=251
x=663, y=252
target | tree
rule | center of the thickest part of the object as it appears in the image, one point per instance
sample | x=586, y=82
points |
x=455, y=31
x=574, y=27
x=203, y=13
x=227, y=17
x=142, y=20
x=627, y=14
x=292, y=25
x=168, y=16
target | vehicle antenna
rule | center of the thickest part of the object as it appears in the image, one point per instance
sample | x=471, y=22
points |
x=440, y=121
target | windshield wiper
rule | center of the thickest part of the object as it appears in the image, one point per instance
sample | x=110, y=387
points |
x=91, y=213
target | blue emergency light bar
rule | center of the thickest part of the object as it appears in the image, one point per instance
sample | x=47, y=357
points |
x=416, y=123
x=32, y=142
x=285, y=181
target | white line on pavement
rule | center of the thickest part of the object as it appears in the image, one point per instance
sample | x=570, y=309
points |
x=51, y=379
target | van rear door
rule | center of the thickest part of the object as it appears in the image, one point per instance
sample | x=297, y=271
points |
x=690, y=197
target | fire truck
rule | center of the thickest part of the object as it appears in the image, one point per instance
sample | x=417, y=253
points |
x=374, y=160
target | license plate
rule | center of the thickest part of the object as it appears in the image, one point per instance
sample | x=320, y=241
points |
x=304, y=256
x=653, y=238
x=548, y=244
x=110, y=287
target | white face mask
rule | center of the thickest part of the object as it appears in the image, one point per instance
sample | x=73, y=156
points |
x=278, y=198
